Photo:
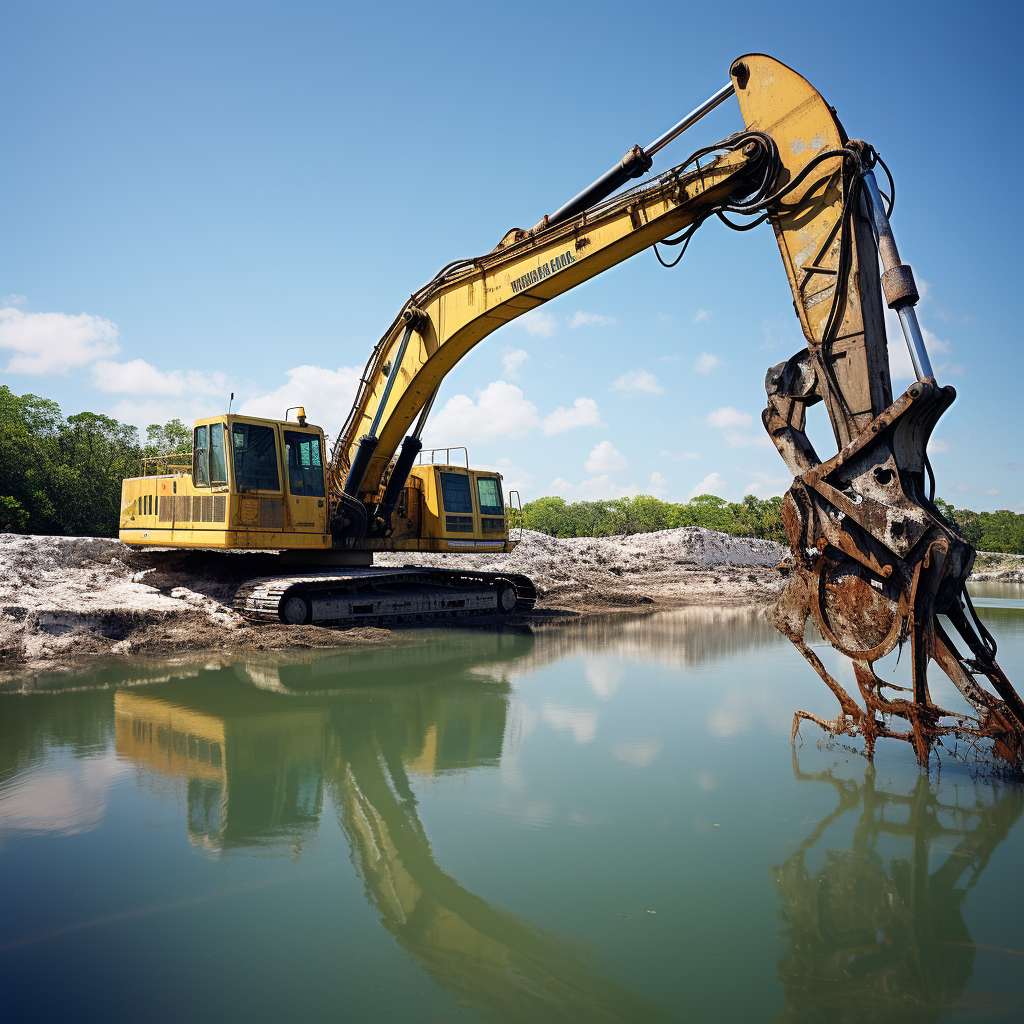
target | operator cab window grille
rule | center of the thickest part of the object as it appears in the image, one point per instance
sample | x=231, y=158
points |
x=255, y=451
x=458, y=524
x=305, y=466
x=201, y=457
x=489, y=491
x=456, y=493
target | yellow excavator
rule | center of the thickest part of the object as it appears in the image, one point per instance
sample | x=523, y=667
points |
x=873, y=562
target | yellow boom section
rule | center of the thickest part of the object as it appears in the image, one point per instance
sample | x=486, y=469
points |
x=468, y=301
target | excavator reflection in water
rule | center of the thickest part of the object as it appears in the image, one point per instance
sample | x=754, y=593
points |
x=256, y=764
x=878, y=932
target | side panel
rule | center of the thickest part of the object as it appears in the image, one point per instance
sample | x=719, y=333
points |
x=169, y=511
x=808, y=227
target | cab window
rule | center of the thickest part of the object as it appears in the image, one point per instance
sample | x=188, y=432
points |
x=255, y=453
x=456, y=493
x=218, y=464
x=305, y=467
x=488, y=489
x=201, y=457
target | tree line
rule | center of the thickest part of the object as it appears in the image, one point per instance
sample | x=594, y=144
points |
x=988, y=531
x=752, y=517
x=62, y=475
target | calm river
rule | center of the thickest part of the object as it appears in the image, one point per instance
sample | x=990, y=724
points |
x=607, y=824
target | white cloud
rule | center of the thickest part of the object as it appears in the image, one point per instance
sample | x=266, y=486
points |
x=680, y=456
x=781, y=333
x=141, y=412
x=137, y=377
x=45, y=343
x=936, y=446
x=765, y=485
x=638, y=382
x=539, y=323
x=711, y=484
x=594, y=489
x=657, y=487
x=513, y=478
x=511, y=362
x=658, y=480
x=964, y=489
x=14, y=300
x=727, y=419
x=582, y=724
x=500, y=410
x=702, y=314
x=934, y=343
x=584, y=413
x=900, y=366
x=327, y=396
x=581, y=319
x=706, y=362
x=727, y=416
x=735, y=439
x=639, y=753
x=605, y=458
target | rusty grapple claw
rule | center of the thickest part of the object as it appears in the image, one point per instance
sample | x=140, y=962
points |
x=873, y=562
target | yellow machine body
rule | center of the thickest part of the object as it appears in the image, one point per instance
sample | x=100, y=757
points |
x=261, y=484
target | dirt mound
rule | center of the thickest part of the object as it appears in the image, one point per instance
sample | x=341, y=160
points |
x=545, y=558
x=63, y=598
x=997, y=567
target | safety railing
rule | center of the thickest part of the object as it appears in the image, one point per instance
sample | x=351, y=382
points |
x=516, y=510
x=165, y=465
x=447, y=455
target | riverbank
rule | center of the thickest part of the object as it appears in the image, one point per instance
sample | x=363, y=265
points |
x=64, y=600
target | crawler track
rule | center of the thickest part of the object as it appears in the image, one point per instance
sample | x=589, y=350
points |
x=383, y=596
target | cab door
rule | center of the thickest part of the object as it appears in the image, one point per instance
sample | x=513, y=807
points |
x=304, y=477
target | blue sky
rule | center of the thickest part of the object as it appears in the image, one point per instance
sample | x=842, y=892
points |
x=214, y=197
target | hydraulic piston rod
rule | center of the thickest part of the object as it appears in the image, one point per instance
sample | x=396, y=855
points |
x=633, y=165
x=897, y=280
x=691, y=119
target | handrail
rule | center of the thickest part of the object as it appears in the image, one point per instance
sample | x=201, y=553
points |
x=518, y=506
x=151, y=464
x=447, y=455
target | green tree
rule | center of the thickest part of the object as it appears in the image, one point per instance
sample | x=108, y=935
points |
x=173, y=438
x=63, y=476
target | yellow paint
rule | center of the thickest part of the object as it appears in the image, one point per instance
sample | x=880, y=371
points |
x=511, y=281
x=163, y=510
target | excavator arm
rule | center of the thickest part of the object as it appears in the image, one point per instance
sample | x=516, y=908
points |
x=872, y=562
x=469, y=300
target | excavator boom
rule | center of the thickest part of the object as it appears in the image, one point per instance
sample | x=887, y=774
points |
x=873, y=563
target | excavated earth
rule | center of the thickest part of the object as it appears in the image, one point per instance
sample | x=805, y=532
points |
x=69, y=600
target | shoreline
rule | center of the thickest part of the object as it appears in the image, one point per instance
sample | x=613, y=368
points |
x=68, y=604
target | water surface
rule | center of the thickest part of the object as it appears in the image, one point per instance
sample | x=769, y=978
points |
x=603, y=824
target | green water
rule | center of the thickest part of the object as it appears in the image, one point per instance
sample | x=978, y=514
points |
x=606, y=824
